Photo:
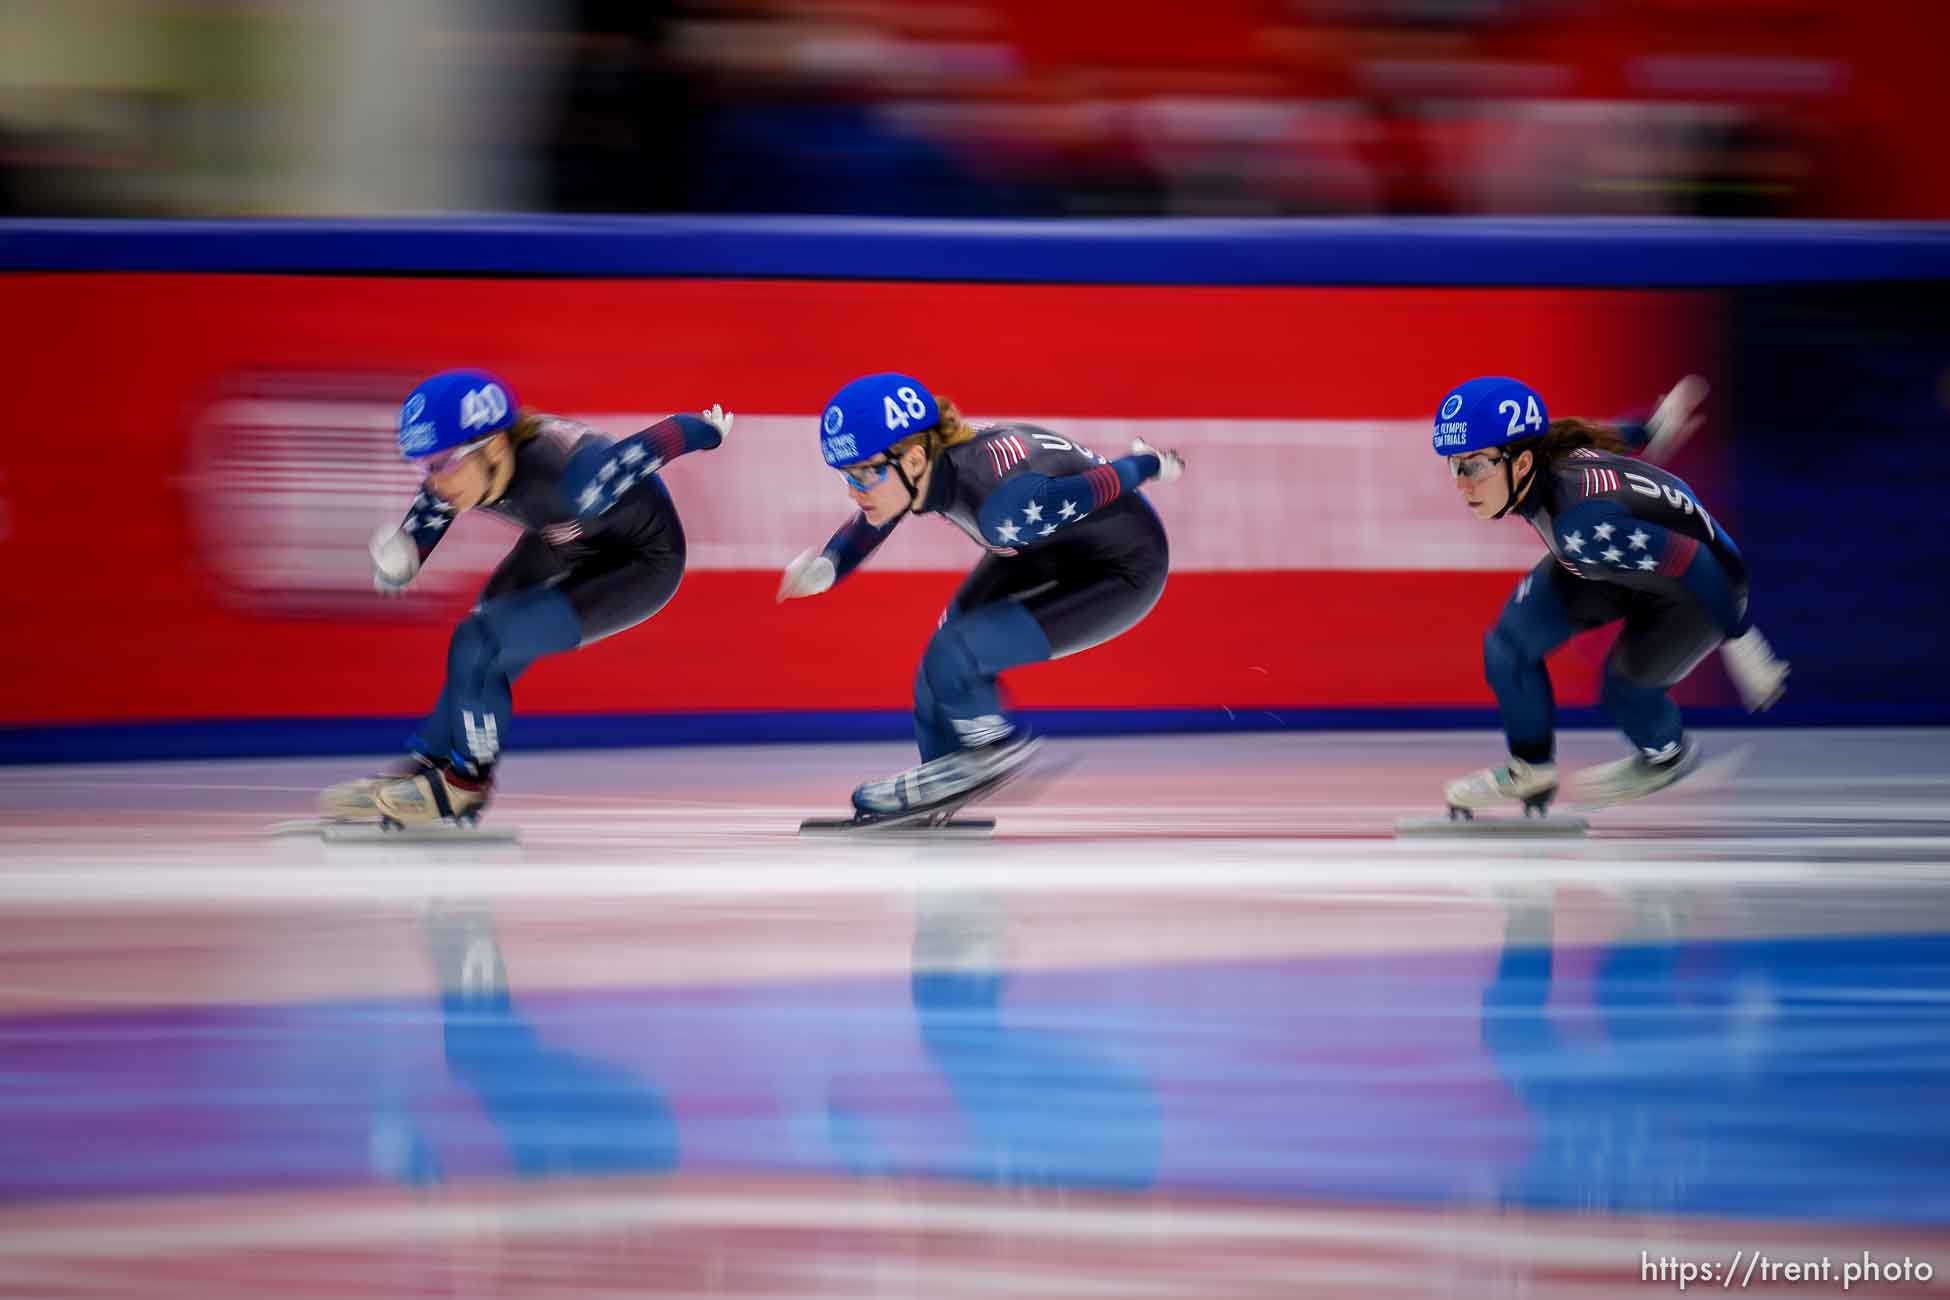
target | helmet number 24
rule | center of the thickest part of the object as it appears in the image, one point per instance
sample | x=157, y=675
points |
x=1527, y=414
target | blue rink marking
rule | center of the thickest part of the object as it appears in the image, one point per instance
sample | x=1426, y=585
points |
x=1783, y=1079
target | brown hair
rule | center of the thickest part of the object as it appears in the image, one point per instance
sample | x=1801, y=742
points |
x=951, y=430
x=1566, y=436
x=526, y=428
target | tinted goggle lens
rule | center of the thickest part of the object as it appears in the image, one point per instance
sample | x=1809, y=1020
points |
x=866, y=476
x=1473, y=467
x=442, y=461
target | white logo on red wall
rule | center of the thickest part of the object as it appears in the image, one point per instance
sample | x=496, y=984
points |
x=288, y=475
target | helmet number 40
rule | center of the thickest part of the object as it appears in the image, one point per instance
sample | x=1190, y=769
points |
x=903, y=413
x=482, y=406
x=1527, y=414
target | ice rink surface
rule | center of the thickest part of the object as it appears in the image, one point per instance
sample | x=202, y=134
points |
x=1193, y=1023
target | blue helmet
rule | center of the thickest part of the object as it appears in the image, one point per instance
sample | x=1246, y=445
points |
x=451, y=408
x=1488, y=412
x=873, y=413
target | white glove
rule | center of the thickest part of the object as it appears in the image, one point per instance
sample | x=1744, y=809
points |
x=1676, y=419
x=718, y=418
x=395, y=559
x=1170, y=463
x=1757, y=674
x=809, y=574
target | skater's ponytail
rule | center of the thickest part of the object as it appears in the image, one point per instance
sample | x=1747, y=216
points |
x=951, y=430
x=1564, y=437
x=526, y=428
x=1559, y=439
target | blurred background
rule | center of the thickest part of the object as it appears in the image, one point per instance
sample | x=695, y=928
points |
x=1195, y=1025
x=1802, y=108
x=771, y=177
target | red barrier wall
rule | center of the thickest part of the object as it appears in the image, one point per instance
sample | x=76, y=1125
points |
x=114, y=613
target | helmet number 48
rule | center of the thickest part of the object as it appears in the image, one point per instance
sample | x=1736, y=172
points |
x=1527, y=414
x=910, y=405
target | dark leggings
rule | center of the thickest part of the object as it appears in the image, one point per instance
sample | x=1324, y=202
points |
x=535, y=604
x=1021, y=609
x=1664, y=638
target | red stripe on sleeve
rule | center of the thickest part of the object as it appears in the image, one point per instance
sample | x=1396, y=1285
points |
x=1103, y=486
x=1679, y=554
x=667, y=441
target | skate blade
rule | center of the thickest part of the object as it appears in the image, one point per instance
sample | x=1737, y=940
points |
x=337, y=831
x=913, y=825
x=431, y=833
x=1480, y=825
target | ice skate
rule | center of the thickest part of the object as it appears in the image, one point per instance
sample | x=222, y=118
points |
x=1635, y=777
x=352, y=801
x=930, y=795
x=434, y=807
x=943, y=779
x=420, y=802
x=1532, y=786
x=434, y=795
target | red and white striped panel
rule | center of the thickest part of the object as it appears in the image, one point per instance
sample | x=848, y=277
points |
x=1005, y=453
x=1598, y=481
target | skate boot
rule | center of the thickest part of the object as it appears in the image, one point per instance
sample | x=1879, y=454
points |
x=435, y=795
x=946, y=779
x=1642, y=774
x=353, y=800
x=1532, y=784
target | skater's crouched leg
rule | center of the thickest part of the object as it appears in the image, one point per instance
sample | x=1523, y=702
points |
x=958, y=672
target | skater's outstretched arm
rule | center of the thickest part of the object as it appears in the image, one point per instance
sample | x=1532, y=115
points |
x=398, y=553
x=426, y=522
x=1028, y=507
x=856, y=539
x=812, y=572
x=601, y=473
